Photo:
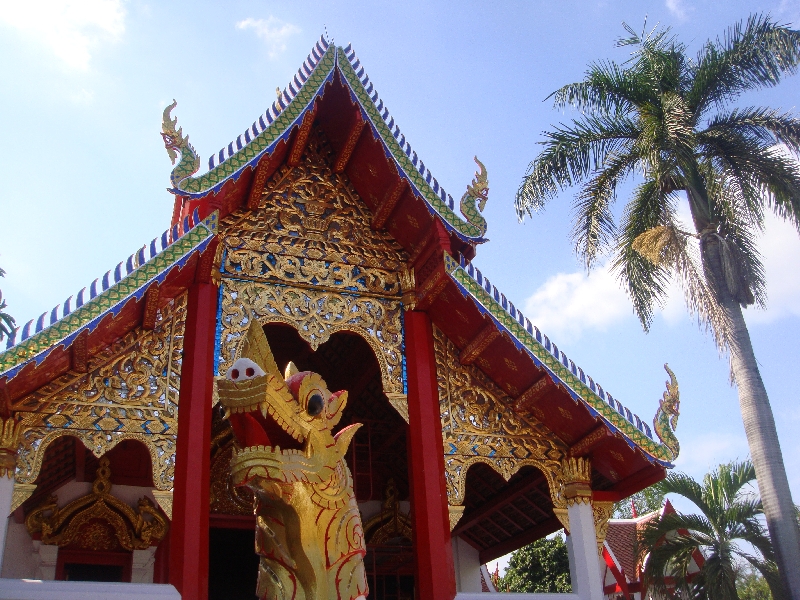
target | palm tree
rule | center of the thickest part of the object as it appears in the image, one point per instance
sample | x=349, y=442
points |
x=729, y=515
x=662, y=116
x=6, y=320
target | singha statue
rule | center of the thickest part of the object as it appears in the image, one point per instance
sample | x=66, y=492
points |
x=309, y=534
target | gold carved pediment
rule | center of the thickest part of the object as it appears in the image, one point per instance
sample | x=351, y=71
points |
x=480, y=425
x=311, y=228
x=98, y=521
x=130, y=390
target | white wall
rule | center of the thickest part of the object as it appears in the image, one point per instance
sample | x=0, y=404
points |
x=24, y=558
x=18, y=589
x=466, y=561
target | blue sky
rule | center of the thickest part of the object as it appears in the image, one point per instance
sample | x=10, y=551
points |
x=84, y=169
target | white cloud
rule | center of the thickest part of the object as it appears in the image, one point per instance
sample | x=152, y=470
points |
x=272, y=30
x=780, y=250
x=72, y=28
x=569, y=303
x=678, y=8
x=701, y=453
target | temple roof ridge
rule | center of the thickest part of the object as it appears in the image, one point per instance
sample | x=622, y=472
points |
x=285, y=97
x=289, y=109
x=35, y=339
x=546, y=354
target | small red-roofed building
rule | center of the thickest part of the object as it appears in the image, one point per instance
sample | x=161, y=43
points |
x=622, y=577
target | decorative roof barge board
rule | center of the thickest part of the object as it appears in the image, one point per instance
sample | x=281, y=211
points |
x=325, y=65
x=108, y=295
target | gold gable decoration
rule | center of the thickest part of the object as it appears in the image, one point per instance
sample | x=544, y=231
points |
x=478, y=425
x=307, y=256
x=311, y=229
x=129, y=392
x=98, y=521
x=226, y=498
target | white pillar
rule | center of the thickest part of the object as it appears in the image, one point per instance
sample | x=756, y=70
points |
x=586, y=582
x=6, y=495
x=573, y=572
x=467, y=563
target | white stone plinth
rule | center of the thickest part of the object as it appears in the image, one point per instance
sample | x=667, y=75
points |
x=35, y=589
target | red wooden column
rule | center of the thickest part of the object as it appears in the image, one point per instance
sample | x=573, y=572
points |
x=188, y=547
x=435, y=574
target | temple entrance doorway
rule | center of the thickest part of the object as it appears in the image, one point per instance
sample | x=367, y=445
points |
x=233, y=565
x=377, y=457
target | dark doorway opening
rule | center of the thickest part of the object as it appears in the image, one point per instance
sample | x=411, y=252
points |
x=233, y=564
x=86, y=572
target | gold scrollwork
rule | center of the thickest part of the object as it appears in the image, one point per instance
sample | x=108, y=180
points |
x=478, y=425
x=316, y=315
x=602, y=512
x=9, y=441
x=311, y=229
x=98, y=521
x=129, y=392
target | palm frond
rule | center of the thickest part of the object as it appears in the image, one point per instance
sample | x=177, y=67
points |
x=607, y=88
x=594, y=228
x=767, y=125
x=571, y=153
x=645, y=281
x=751, y=55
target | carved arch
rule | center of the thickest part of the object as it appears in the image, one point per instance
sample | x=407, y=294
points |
x=316, y=315
x=35, y=442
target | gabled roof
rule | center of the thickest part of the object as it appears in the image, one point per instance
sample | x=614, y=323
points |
x=107, y=296
x=323, y=64
x=546, y=355
x=330, y=86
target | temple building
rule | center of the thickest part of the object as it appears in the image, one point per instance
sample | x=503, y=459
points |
x=320, y=225
x=623, y=573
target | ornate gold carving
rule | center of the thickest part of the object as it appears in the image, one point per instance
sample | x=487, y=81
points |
x=391, y=523
x=480, y=342
x=479, y=426
x=561, y=513
x=164, y=500
x=98, y=521
x=130, y=392
x=10, y=429
x=409, y=286
x=22, y=491
x=309, y=534
x=316, y=315
x=226, y=498
x=602, y=512
x=455, y=514
x=565, y=413
x=400, y=404
x=311, y=229
x=577, y=477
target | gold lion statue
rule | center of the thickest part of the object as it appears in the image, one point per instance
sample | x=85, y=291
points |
x=309, y=535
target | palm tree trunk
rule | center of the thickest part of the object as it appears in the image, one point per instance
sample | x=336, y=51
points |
x=759, y=427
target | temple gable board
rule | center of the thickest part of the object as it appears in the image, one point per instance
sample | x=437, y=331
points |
x=305, y=388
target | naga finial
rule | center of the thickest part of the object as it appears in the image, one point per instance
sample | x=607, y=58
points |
x=666, y=420
x=175, y=142
x=474, y=199
x=173, y=138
